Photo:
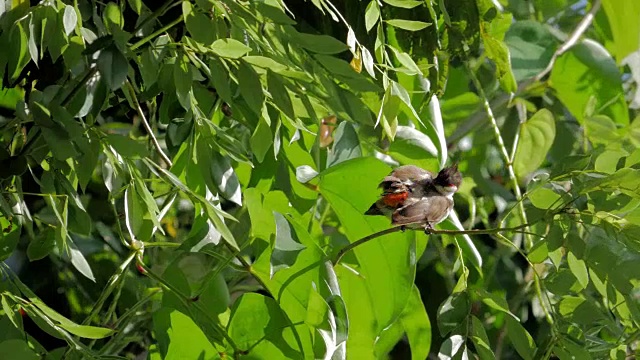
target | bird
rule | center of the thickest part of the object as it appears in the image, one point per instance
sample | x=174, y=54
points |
x=412, y=197
x=403, y=186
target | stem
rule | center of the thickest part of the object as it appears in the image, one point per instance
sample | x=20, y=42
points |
x=113, y=281
x=132, y=93
x=150, y=37
x=249, y=269
x=503, y=150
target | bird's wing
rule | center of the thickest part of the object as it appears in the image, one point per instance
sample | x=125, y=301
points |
x=402, y=177
x=411, y=172
x=430, y=209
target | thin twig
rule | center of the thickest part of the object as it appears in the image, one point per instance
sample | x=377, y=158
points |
x=502, y=147
x=571, y=40
x=367, y=238
x=134, y=98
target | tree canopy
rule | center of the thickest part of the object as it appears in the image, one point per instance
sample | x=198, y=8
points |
x=188, y=179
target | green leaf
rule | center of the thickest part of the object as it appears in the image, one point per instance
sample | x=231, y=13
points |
x=405, y=4
x=79, y=262
x=579, y=269
x=452, y=312
x=202, y=28
x=480, y=340
x=179, y=336
x=579, y=310
x=417, y=326
x=531, y=46
x=257, y=321
x=262, y=139
x=494, y=301
x=406, y=61
x=451, y=347
x=372, y=15
x=138, y=216
x=183, y=78
x=89, y=332
x=539, y=252
x=112, y=17
x=17, y=51
x=520, y=338
x=600, y=129
x=19, y=349
x=498, y=51
x=229, y=48
x=135, y=5
x=8, y=312
x=280, y=94
x=127, y=147
x=42, y=245
x=287, y=247
x=409, y=25
x=265, y=63
x=9, y=237
x=69, y=19
x=623, y=21
x=587, y=71
x=113, y=66
x=320, y=44
x=250, y=87
x=220, y=78
x=536, y=138
x=345, y=146
x=384, y=263
x=305, y=173
x=225, y=177
x=544, y=198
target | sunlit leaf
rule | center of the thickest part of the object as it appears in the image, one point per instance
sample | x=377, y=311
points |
x=410, y=25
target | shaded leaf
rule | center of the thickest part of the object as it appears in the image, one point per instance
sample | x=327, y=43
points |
x=536, y=138
x=287, y=247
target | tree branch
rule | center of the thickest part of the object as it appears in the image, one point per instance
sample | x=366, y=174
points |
x=502, y=100
x=368, y=238
x=571, y=40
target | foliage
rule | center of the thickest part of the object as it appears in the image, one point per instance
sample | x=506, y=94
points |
x=229, y=149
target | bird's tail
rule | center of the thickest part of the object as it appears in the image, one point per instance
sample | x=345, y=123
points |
x=374, y=210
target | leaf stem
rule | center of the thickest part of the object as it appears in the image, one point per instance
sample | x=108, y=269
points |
x=150, y=37
x=132, y=93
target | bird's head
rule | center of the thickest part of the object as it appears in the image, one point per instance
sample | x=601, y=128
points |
x=448, y=180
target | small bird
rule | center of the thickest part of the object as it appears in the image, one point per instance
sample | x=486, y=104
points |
x=420, y=201
x=404, y=185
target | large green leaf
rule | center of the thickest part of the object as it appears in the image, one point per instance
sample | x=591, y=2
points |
x=587, y=71
x=258, y=324
x=624, y=23
x=384, y=263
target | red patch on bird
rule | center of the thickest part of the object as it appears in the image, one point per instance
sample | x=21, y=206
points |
x=395, y=199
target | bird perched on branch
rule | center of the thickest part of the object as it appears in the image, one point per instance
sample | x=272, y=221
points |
x=414, y=197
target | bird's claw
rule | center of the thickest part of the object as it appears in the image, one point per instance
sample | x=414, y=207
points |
x=428, y=228
x=403, y=228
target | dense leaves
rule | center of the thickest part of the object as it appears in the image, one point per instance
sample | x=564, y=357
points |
x=230, y=149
